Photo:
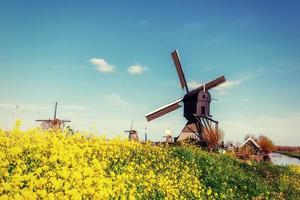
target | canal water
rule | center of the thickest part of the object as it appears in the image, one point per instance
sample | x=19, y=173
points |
x=280, y=159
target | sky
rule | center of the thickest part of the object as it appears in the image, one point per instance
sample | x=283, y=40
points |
x=107, y=63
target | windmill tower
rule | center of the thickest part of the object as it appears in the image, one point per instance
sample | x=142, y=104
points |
x=54, y=123
x=196, y=105
x=132, y=134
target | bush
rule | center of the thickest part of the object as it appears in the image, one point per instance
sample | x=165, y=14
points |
x=212, y=136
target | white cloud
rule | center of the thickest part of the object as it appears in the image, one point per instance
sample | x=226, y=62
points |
x=74, y=107
x=282, y=129
x=193, y=84
x=35, y=107
x=10, y=106
x=136, y=69
x=102, y=65
x=116, y=100
x=228, y=84
x=223, y=89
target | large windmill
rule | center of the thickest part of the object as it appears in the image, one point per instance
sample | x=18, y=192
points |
x=54, y=123
x=196, y=105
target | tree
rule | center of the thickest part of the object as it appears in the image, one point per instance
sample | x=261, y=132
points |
x=266, y=143
x=250, y=136
x=212, y=136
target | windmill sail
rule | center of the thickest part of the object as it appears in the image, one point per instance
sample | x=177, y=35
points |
x=179, y=70
x=214, y=83
x=55, y=109
x=163, y=110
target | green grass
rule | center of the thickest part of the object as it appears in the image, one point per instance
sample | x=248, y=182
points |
x=291, y=154
x=229, y=177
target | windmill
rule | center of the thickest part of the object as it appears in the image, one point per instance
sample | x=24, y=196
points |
x=196, y=105
x=132, y=134
x=54, y=123
x=168, y=136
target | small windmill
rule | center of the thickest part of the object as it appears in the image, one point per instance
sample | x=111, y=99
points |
x=168, y=136
x=132, y=134
x=196, y=105
x=54, y=123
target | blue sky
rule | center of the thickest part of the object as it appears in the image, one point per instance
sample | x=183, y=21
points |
x=108, y=63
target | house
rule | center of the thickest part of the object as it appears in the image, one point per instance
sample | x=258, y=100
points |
x=250, y=147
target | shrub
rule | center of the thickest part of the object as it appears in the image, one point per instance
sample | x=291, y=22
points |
x=266, y=144
x=212, y=136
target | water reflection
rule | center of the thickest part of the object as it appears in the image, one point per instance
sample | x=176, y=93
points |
x=280, y=159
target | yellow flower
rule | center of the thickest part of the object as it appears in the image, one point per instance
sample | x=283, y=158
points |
x=209, y=191
x=55, y=165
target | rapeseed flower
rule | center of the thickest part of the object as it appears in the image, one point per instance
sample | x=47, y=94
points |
x=55, y=165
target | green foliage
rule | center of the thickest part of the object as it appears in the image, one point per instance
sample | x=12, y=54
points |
x=232, y=179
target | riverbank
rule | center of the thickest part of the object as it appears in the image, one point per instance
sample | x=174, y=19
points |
x=291, y=154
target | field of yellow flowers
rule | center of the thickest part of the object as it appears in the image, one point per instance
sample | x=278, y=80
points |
x=38, y=164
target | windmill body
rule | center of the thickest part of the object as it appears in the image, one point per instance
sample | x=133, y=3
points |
x=196, y=102
x=196, y=105
x=54, y=123
x=132, y=134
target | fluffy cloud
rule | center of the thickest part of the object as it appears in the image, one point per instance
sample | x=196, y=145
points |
x=193, y=84
x=224, y=88
x=136, y=69
x=246, y=100
x=280, y=128
x=116, y=100
x=102, y=65
x=228, y=84
x=74, y=107
x=12, y=106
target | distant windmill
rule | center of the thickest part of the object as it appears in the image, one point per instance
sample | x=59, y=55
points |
x=54, y=123
x=168, y=136
x=132, y=134
x=196, y=105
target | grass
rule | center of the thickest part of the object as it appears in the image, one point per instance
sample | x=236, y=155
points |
x=238, y=180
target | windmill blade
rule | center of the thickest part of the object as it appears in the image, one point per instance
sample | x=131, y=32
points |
x=214, y=83
x=131, y=125
x=179, y=70
x=55, y=109
x=42, y=120
x=163, y=110
x=65, y=120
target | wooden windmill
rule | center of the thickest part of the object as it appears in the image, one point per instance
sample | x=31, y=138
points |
x=168, y=136
x=132, y=134
x=54, y=123
x=196, y=105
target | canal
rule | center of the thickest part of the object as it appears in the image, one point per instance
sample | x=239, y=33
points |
x=280, y=159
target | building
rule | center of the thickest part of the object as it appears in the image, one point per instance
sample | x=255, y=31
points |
x=250, y=147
